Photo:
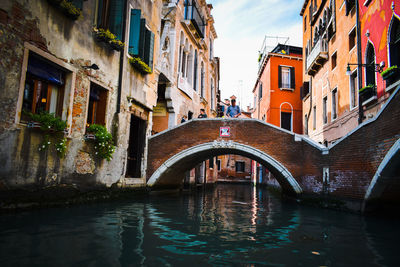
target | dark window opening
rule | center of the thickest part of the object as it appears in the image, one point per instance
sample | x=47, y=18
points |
x=349, y=6
x=211, y=163
x=314, y=117
x=97, y=105
x=137, y=141
x=353, y=90
x=218, y=164
x=239, y=166
x=370, y=69
x=334, y=60
x=306, y=124
x=190, y=115
x=394, y=44
x=334, y=104
x=286, y=120
x=324, y=110
x=352, y=39
x=260, y=91
x=44, y=88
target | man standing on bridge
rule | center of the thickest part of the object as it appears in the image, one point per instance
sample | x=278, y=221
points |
x=233, y=110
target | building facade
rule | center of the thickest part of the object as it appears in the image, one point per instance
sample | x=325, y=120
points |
x=80, y=81
x=277, y=89
x=380, y=44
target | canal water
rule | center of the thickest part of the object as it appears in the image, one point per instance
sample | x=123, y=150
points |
x=231, y=225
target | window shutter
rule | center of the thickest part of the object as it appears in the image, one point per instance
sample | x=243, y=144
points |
x=134, y=32
x=77, y=3
x=151, y=50
x=100, y=22
x=292, y=78
x=279, y=76
x=142, y=38
x=116, y=17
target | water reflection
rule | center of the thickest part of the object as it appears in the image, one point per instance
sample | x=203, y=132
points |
x=231, y=225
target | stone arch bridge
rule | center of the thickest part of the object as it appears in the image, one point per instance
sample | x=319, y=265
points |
x=363, y=165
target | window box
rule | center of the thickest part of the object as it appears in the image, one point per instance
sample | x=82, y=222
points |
x=391, y=75
x=71, y=9
x=109, y=38
x=367, y=92
x=140, y=65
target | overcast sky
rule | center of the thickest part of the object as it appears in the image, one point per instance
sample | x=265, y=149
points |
x=241, y=26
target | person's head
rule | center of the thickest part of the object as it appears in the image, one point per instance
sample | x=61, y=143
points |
x=233, y=102
x=185, y=117
x=202, y=111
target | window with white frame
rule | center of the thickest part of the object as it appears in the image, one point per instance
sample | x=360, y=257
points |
x=202, y=79
x=324, y=110
x=212, y=94
x=334, y=103
x=353, y=90
x=286, y=78
x=314, y=117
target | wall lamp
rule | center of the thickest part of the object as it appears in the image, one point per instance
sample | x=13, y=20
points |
x=93, y=67
x=378, y=67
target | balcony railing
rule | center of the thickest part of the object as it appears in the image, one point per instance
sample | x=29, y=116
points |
x=317, y=56
x=193, y=14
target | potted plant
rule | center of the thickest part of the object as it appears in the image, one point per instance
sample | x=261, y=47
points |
x=140, y=65
x=67, y=7
x=102, y=140
x=52, y=125
x=391, y=75
x=109, y=38
x=367, y=92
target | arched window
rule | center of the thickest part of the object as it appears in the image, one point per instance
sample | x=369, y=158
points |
x=394, y=42
x=195, y=71
x=286, y=116
x=189, y=74
x=181, y=47
x=370, y=69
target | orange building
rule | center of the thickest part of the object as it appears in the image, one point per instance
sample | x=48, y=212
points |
x=277, y=90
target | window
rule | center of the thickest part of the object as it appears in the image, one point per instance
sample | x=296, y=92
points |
x=286, y=78
x=260, y=91
x=353, y=90
x=349, y=6
x=211, y=48
x=324, y=110
x=394, y=43
x=141, y=39
x=110, y=16
x=202, y=77
x=370, y=69
x=334, y=104
x=218, y=164
x=211, y=163
x=193, y=14
x=212, y=94
x=44, y=88
x=334, y=60
x=97, y=105
x=305, y=23
x=352, y=39
x=286, y=120
x=314, y=117
x=195, y=71
x=239, y=166
x=306, y=124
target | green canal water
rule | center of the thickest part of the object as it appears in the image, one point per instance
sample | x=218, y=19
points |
x=230, y=225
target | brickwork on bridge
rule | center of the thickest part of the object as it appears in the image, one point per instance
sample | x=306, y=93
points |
x=352, y=162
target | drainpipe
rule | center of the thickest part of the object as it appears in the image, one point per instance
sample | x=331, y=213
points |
x=359, y=62
x=121, y=60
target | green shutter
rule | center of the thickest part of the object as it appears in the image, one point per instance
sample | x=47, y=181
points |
x=77, y=3
x=151, y=50
x=142, y=38
x=134, y=32
x=99, y=14
x=116, y=17
x=292, y=78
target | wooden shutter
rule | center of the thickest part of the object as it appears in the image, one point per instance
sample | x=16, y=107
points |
x=100, y=16
x=292, y=78
x=116, y=17
x=279, y=76
x=151, y=50
x=142, y=38
x=134, y=32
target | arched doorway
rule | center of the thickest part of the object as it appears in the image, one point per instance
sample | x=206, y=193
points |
x=370, y=69
x=171, y=172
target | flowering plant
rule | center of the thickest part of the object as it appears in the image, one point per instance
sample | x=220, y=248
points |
x=109, y=38
x=103, y=141
x=140, y=65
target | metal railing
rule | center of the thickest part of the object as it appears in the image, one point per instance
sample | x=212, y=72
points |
x=320, y=47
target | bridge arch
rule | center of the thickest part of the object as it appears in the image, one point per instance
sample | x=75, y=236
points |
x=171, y=171
x=387, y=172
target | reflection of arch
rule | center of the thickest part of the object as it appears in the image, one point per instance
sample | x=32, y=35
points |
x=370, y=59
x=284, y=110
x=173, y=168
x=386, y=170
x=394, y=41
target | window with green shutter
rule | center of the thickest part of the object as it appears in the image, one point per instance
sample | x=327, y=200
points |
x=134, y=32
x=110, y=15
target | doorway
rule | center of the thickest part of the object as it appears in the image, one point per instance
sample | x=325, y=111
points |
x=137, y=141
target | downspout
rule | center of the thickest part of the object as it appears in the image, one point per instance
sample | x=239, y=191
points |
x=359, y=62
x=121, y=60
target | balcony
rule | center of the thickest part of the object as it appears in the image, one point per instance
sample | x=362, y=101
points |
x=185, y=86
x=192, y=14
x=317, y=57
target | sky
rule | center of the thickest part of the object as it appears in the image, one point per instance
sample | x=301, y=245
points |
x=241, y=26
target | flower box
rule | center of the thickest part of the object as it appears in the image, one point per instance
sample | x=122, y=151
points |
x=139, y=65
x=67, y=8
x=391, y=75
x=367, y=92
x=107, y=37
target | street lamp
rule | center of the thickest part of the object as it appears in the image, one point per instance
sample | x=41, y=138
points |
x=377, y=67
